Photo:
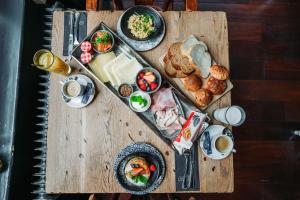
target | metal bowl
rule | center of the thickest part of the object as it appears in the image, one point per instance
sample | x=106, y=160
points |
x=156, y=73
x=112, y=39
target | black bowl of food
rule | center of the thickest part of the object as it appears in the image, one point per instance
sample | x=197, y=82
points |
x=140, y=22
x=139, y=168
x=102, y=41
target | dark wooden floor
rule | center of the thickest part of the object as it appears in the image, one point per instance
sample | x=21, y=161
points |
x=265, y=61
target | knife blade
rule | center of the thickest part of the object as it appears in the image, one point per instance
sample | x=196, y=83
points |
x=71, y=36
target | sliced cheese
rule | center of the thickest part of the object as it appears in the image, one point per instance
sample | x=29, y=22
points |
x=119, y=60
x=201, y=59
x=98, y=63
x=189, y=43
x=126, y=73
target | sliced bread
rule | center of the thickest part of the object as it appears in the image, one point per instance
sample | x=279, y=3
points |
x=179, y=61
x=170, y=70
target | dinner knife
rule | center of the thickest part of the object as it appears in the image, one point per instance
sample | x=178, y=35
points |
x=71, y=36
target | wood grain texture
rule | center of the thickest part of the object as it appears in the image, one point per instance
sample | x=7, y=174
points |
x=82, y=143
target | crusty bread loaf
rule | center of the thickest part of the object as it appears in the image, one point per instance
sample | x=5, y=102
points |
x=215, y=86
x=192, y=82
x=171, y=71
x=219, y=72
x=203, y=97
x=179, y=61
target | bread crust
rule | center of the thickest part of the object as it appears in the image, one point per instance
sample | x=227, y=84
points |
x=203, y=97
x=171, y=71
x=219, y=72
x=215, y=86
x=179, y=61
x=192, y=82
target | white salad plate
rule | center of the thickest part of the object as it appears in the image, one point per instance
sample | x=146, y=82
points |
x=77, y=102
x=215, y=130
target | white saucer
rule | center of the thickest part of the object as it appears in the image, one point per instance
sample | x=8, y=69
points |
x=77, y=102
x=213, y=131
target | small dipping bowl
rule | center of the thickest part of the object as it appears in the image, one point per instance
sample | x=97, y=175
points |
x=144, y=95
x=156, y=74
x=124, y=88
x=112, y=41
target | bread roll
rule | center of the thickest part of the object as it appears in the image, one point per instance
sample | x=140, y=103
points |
x=219, y=72
x=203, y=97
x=192, y=82
x=215, y=86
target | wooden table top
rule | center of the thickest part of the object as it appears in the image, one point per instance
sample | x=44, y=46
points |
x=82, y=143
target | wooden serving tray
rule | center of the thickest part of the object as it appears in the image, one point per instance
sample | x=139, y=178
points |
x=120, y=46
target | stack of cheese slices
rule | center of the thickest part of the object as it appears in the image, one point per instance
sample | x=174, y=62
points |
x=191, y=61
x=115, y=69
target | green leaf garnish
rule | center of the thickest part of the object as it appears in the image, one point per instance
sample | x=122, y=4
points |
x=139, y=99
x=140, y=178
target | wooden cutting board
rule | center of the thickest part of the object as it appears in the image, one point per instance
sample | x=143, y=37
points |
x=82, y=143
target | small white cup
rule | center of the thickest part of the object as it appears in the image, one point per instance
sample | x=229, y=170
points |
x=229, y=147
x=77, y=89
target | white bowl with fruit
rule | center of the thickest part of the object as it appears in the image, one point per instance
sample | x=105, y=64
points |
x=148, y=80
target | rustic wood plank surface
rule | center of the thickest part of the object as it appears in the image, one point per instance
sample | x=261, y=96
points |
x=82, y=143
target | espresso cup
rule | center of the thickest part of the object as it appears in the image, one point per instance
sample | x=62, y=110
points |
x=223, y=144
x=72, y=89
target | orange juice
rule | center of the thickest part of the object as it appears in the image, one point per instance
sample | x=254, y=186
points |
x=46, y=60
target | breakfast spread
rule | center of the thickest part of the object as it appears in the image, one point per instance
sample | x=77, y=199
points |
x=140, y=26
x=191, y=61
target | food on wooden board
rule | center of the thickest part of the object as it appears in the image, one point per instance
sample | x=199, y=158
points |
x=102, y=41
x=98, y=63
x=126, y=72
x=141, y=26
x=165, y=111
x=179, y=61
x=189, y=42
x=215, y=86
x=170, y=69
x=219, y=72
x=192, y=83
x=137, y=171
x=148, y=80
x=200, y=59
x=203, y=97
x=192, y=128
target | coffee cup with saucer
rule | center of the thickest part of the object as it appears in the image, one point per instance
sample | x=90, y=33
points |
x=222, y=142
x=77, y=90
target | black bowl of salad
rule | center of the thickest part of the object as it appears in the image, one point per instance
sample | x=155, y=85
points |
x=140, y=23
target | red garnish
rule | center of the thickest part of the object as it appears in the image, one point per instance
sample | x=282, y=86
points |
x=152, y=168
x=153, y=86
x=141, y=74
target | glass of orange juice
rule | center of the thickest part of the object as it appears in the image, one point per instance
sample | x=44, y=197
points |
x=46, y=60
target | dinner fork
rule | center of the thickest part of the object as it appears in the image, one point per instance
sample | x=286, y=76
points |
x=77, y=14
x=188, y=168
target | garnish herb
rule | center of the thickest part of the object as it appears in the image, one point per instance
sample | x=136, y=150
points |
x=105, y=39
x=140, y=178
x=139, y=99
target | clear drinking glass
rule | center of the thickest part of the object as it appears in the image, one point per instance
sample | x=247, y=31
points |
x=46, y=60
x=232, y=115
